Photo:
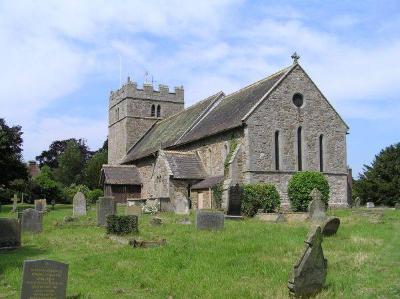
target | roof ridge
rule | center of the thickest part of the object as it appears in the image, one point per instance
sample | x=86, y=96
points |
x=179, y=152
x=118, y=165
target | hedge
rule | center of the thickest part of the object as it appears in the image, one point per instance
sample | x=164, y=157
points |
x=259, y=196
x=120, y=225
x=301, y=185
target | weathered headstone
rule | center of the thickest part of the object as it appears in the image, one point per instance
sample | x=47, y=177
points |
x=10, y=233
x=212, y=220
x=309, y=274
x=40, y=205
x=79, y=204
x=182, y=207
x=234, y=200
x=105, y=206
x=370, y=205
x=44, y=279
x=357, y=202
x=330, y=226
x=185, y=221
x=15, y=202
x=133, y=210
x=397, y=206
x=32, y=221
x=316, y=208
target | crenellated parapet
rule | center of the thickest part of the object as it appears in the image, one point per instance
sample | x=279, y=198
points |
x=148, y=92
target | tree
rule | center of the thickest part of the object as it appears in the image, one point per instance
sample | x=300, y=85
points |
x=92, y=169
x=70, y=164
x=50, y=157
x=380, y=182
x=44, y=186
x=11, y=165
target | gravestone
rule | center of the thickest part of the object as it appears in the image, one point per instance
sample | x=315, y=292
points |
x=44, y=279
x=316, y=208
x=330, y=226
x=396, y=206
x=357, y=202
x=309, y=274
x=133, y=210
x=234, y=200
x=370, y=205
x=185, y=221
x=32, y=221
x=105, y=206
x=10, y=233
x=15, y=202
x=212, y=220
x=79, y=204
x=40, y=205
x=182, y=206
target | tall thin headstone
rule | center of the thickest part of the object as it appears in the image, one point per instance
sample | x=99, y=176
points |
x=105, y=206
x=316, y=208
x=44, y=279
x=79, y=204
x=32, y=221
x=15, y=203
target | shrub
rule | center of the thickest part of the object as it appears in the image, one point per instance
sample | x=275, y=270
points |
x=301, y=185
x=93, y=195
x=44, y=186
x=259, y=196
x=217, y=195
x=121, y=225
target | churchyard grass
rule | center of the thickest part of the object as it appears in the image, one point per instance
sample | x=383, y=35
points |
x=247, y=259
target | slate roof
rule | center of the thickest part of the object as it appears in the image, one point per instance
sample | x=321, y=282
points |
x=208, y=182
x=120, y=175
x=167, y=132
x=185, y=165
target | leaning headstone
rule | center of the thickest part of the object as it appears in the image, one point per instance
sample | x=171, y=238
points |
x=370, y=205
x=316, y=208
x=133, y=210
x=44, y=279
x=309, y=274
x=105, y=206
x=182, y=207
x=330, y=226
x=212, y=220
x=10, y=233
x=79, y=204
x=396, y=206
x=32, y=221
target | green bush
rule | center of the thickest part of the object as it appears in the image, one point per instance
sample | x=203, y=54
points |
x=259, y=196
x=121, y=225
x=44, y=186
x=217, y=195
x=301, y=185
x=93, y=195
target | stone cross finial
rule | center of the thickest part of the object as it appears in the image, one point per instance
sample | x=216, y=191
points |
x=295, y=57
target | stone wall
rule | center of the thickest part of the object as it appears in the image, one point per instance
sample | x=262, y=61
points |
x=178, y=191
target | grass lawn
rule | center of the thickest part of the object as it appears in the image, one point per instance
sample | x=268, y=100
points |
x=248, y=259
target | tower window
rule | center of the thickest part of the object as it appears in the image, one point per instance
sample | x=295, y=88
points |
x=299, y=150
x=321, y=153
x=158, y=111
x=298, y=100
x=117, y=114
x=277, y=150
x=153, y=110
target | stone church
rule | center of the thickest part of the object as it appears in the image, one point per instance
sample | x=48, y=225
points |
x=264, y=132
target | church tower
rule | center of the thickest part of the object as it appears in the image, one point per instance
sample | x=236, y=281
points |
x=132, y=111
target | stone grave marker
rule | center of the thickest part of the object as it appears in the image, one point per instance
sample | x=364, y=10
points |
x=79, y=204
x=44, y=279
x=105, y=206
x=32, y=221
x=330, y=226
x=370, y=205
x=10, y=233
x=15, y=203
x=212, y=220
x=309, y=274
x=316, y=208
x=133, y=210
x=396, y=206
x=182, y=207
x=357, y=202
x=40, y=205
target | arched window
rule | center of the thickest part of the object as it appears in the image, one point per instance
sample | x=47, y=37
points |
x=321, y=153
x=117, y=114
x=153, y=110
x=299, y=150
x=277, y=150
x=209, y=160
x=158, y=111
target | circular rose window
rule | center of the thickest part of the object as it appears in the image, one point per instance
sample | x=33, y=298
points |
x=298, y=99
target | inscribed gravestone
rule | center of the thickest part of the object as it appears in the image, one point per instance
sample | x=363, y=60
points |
x=32, y=221
x=212, y=220
x=105, y=206
x=10, y=233
x=309, y=274
x=44, y=279
x=330, y=226
x=79, y=204
x=182, y=207
x=316, y=208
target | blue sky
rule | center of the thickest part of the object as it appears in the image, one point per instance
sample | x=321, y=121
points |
x=60, y=59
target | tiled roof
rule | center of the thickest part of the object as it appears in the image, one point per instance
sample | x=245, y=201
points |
x=208, y=182
x=120, y=175
x=185, y=165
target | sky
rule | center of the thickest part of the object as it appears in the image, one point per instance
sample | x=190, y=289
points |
x=61, y=59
